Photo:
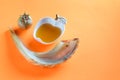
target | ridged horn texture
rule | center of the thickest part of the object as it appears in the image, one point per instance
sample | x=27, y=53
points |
x=60, y=53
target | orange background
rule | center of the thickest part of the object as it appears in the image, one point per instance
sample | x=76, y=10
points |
x=95, y=22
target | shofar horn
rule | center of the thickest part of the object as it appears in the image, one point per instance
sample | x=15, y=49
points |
x=59, y=54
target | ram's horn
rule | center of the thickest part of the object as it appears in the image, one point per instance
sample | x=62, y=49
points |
x=59, y=54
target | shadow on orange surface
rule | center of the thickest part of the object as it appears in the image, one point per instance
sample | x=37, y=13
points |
x=24, y=67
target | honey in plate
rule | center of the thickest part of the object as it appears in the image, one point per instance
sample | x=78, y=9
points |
x=48, y=33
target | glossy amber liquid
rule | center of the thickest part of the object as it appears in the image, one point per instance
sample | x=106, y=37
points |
x=48, y=33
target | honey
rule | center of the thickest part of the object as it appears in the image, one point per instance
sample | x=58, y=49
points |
x=48, y=33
